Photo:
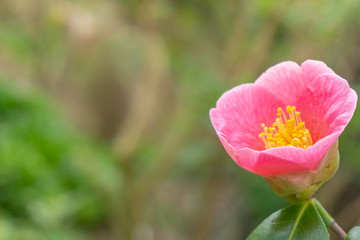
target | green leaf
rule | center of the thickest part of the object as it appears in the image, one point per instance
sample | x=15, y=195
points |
x=354, y=234
x=297, y=222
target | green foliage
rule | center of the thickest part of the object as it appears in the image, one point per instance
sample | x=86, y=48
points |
x=301, y=222
x=46, y=191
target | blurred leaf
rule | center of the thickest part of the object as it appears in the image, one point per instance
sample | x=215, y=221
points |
x=354, y=234
x=44, y=181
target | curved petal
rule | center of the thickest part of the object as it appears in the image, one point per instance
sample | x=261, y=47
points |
x=327, y=105
x=312, y=68
x=283, y=80
x=280, y=160
x=264, y=164
x=261, y=163
x=308, y=158
x=239, y=113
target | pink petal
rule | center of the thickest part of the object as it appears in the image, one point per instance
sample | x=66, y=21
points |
x=279, y=160
x=261, y=163
x=266, y=164
x=283, y=80
x=239, y=113
x=326, y=105
x=311, y=69
x=308, y=158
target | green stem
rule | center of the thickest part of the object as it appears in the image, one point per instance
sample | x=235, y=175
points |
x=323, y=213
x=328, y=220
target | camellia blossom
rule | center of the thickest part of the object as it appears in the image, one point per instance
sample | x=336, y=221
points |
x=286, y=124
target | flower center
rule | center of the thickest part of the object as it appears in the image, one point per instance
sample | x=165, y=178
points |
x=287, y=130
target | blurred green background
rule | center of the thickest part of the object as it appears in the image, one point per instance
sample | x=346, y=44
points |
x=104, y=126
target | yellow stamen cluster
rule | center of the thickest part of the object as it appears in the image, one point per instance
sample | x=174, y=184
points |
x=287, y=130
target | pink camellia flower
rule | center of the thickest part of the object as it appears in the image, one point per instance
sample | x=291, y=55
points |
x=285, y=126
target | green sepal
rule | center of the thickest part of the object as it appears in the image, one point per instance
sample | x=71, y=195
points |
x=354, y=234
x=301, y=185
x=297, y=222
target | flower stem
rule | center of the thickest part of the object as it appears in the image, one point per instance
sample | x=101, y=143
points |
x=328, y=220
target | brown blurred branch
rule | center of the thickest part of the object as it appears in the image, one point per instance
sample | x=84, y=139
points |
x=144, y=99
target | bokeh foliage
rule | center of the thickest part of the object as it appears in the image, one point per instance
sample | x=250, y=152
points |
x=49, y=173
x=104, y=127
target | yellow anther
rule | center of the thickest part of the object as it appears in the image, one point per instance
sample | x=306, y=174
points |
x=288, y=109
x=287, y=130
